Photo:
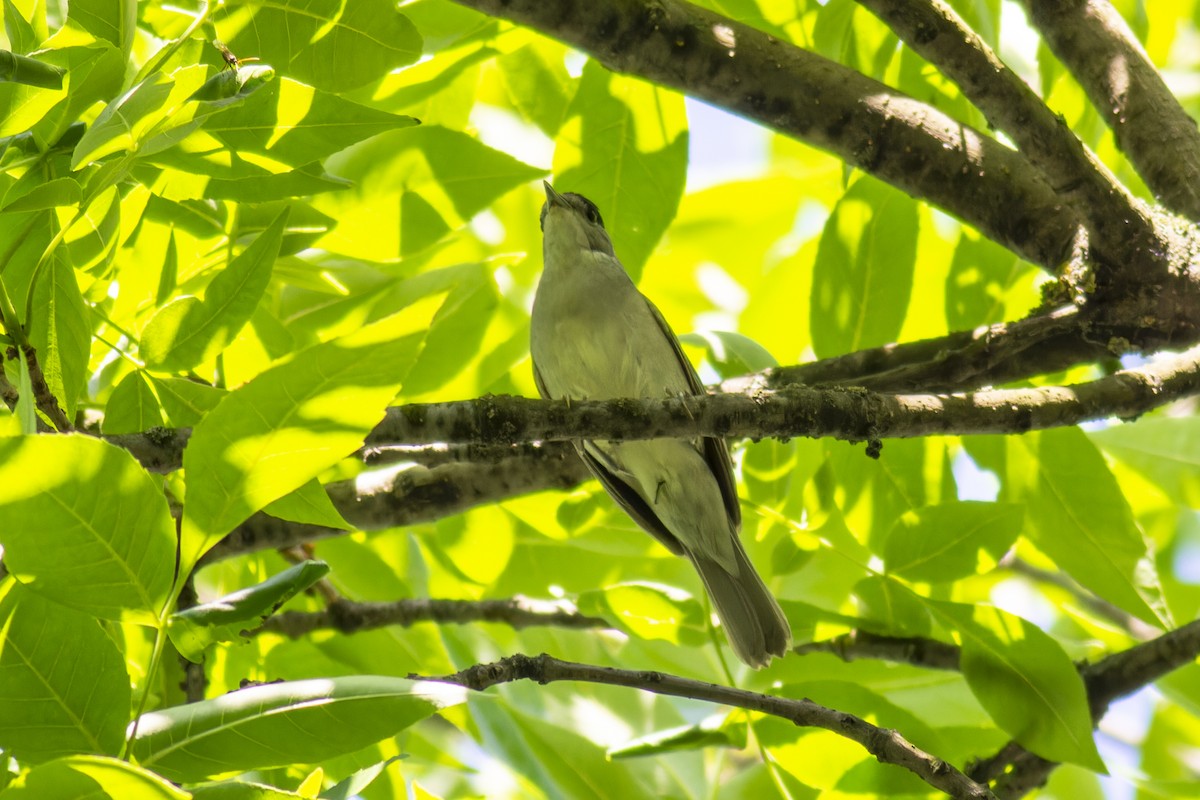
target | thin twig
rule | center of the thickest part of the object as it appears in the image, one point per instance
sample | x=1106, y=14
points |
x=350, y=617
x=887, y=746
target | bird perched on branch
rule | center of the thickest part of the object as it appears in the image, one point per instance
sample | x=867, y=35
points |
x=594, y=336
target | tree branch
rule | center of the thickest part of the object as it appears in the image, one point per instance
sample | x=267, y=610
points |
x=959, y=361
x=414, y=495
x=930, y=27
x=842, y=413
x=1162, y=141
x=909, y=144
x=887, y=746
x=348, y=616
x=859, y=644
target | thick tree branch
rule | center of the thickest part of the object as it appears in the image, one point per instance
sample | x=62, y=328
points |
x=414, y=495
x=886, y=745
x=350, y=617
x=1117, y=225
x=960, y=361
x=1162, y=141
x=842, y=413
x=909, y=144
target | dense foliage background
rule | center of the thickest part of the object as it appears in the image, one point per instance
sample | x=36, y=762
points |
x=215, y=277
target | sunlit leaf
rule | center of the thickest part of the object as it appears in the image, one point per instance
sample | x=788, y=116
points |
x=286, y=426
x=283, y=723
x=1083, y=521
x=1025, y=680
x=624, y=147
x=864, y=271
x=63, y=686
x=83, y=524
x=94, y=778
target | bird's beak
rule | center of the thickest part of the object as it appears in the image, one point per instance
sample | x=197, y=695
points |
x=553, y=197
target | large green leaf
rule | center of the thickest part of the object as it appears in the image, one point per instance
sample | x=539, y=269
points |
x=82, y=523
x=864, y=270
x=625, y=147
x=92, y=778
x=287, y=121
x=1164, y=449
x=1025, y=680
x=188, y=331
x=288, y=425
x=59, y=330
x=559, y=761
x=329, y=44
x=111, y=20
x=63, y=686
x=1083, y=521
x=951, y=541
x=280, y=724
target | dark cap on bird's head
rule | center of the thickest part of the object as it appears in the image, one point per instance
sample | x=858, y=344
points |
x=576, y=202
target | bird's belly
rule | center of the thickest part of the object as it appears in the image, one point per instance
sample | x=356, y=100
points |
x=602, y=361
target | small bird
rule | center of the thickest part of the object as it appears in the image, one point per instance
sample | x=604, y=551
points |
x=594, y=336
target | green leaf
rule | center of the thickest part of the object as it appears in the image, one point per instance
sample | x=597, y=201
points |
x=1166, y=450
x=420, y=224
x=21, y=33
x=953, y=540
x=715, y=731
x=731, y=354
x=132, y=407
x=93, y=778
x=120, y=125
x=308, y=505
x=227, y=619
x=1083, y=522
x=111, y=20
x=280, y=724
x=557, y=760
x=863, y=274
x=331, y=45
x=240, y=790
x=186, y=401
x=60, y=333
x=455, y=333
x=289, y=122
x=625, y=147
x=286, y=426
x=888, y=607
x=538, y=83
x=63, y=685
x=981, y=274
x=1026, y=682
x=25, y=410
x=352, y=786
x=472, y=174
x=188, y=332
x=58, y=193
x=83, y=524
x=96, y=72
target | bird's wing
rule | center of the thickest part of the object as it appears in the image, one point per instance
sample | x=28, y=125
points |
x=625, y=495
x=541, y=384
x=716, y=452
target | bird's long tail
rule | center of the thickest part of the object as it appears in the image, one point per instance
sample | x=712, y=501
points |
x=753, y=621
